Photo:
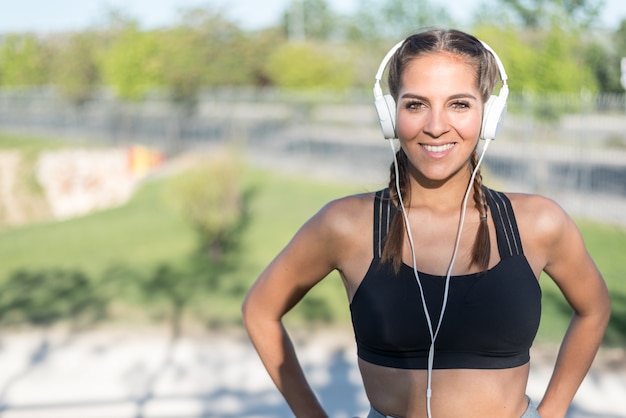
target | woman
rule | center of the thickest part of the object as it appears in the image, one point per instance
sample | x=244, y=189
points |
x=444, y=295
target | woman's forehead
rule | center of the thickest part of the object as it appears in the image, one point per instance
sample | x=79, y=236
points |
x=440, y=67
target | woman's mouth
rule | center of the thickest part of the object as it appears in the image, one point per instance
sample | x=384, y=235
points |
x=437, y=148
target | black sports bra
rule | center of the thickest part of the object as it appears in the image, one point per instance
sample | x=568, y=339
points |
x=491, y=318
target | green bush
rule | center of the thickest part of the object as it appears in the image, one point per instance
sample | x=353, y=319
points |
x=307, y=66
x=44, y=297
x=210, y=196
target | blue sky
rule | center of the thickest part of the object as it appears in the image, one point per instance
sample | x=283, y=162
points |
x=59, y=15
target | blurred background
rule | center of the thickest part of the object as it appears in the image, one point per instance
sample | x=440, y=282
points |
x=156, y=155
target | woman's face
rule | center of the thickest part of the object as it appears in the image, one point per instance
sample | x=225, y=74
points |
x=439, y=115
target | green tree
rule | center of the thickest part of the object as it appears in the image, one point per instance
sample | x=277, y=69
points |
x=517, y=54
x=309, y=66
x=203, y=49
x=560, y=66
x=605, y=65
x=254, y=51
x=363, y=25
x=394, y=19
x=180, y=69
x=23, y=61
x=619, y=38
x=310, y=19
x=76, y=70
x=131, y=64
x=603, y=54
x=568, y=13
x=540, y=61
x=400, y=18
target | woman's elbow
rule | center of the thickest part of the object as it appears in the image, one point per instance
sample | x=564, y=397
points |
x=247, y=312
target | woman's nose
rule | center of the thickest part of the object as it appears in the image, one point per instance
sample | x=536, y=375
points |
x=437, y=123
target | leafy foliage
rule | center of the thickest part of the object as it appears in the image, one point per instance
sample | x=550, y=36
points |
x=597, y=56
x=310, y=19
x=76, y=70
x=540, y=61
x=308, y=66
x=199, y=52
x=165, y=284
x=210, y=196
x=393, y=20
x=23, y=61
x=542, y=14
x=48, y=296
x=130, y=65
x=547, y=46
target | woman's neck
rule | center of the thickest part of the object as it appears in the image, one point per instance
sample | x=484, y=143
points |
x=442, y=195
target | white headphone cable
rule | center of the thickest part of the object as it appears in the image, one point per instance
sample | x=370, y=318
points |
x=433, y=335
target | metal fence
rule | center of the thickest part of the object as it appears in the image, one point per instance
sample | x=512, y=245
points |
x=571, y=148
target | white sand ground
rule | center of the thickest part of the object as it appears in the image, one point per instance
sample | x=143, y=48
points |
x=140, y=374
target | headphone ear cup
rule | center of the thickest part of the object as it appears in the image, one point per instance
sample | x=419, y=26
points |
x=386, y=110
x=493, y=115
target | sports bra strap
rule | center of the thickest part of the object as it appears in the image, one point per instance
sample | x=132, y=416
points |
x=384, y=209
x=507, y=233
x=509, y=241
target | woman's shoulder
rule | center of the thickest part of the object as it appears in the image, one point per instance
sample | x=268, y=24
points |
x=536, y=206
x=539, y=216
x=348, y=209
x=344, y=226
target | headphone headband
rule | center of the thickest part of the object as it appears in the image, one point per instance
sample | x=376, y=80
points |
x=381, y=68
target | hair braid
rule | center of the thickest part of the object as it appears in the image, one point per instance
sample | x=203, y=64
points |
x=482, y=245
x=392, y=250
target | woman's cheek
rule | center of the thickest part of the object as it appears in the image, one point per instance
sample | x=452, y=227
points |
x=406, y=127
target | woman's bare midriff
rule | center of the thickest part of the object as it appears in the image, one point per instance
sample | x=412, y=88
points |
x=466, y=393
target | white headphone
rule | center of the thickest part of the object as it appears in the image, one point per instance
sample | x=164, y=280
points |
x=493, y=114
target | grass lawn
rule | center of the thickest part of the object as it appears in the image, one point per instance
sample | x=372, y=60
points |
x=147, y=232
x=607, y=245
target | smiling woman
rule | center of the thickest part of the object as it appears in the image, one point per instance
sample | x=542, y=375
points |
x=444, y=295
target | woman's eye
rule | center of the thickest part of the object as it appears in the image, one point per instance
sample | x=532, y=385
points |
x=460, y=105
x=414, y=105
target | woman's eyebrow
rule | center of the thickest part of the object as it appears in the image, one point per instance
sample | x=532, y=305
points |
x=454, y=96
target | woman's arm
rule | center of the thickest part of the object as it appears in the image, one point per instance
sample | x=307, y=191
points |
x=307, y=259
x=571, y=267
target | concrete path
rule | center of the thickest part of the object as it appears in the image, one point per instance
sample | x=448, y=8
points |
x=142, y=374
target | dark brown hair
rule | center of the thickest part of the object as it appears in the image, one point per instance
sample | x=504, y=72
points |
x=487, y=75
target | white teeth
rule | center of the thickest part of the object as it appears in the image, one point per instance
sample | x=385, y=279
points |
x=437, y=148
